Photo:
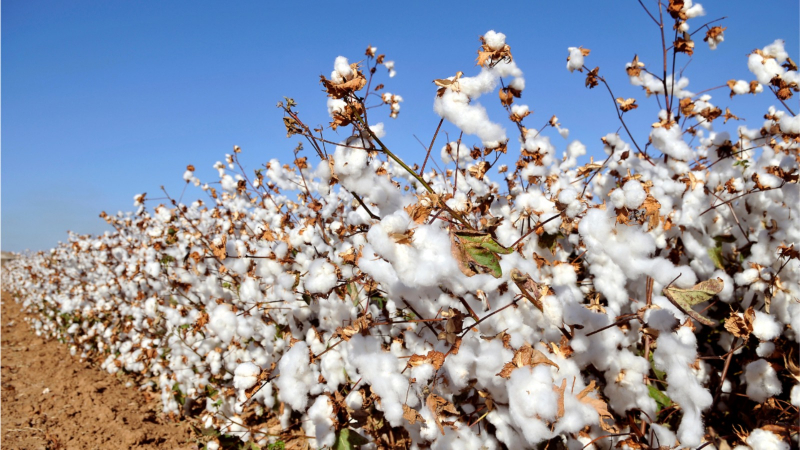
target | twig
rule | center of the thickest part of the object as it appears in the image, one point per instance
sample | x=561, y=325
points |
x=431, y=146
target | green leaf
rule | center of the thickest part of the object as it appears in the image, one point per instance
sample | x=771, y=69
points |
x=715, y=253
x=660, y=374
x=485, y=258
x=727, y=238
x=176, y=392
x=485, y=240
x=662, y=399
x=348, y=439
x=352, y=291
x=684, y=299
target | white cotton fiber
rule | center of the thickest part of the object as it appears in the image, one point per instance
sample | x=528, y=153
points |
x=246, y=375
x=222, y=321
x=321, y=416
x=296, y=377
x=674, y=354
x=761, y=439
x=321, y=277
x=575, y=61
x=670, y=142
x=765, y=327
x=634, y=194
x=762, y=381
x=532, y=399
x=495, y=41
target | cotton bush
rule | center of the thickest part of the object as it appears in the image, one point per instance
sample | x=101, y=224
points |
x=516, y=297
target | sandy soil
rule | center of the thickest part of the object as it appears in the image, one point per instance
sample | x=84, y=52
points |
x=51, y=400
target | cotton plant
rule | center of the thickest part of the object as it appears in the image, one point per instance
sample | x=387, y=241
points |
x=514, y=296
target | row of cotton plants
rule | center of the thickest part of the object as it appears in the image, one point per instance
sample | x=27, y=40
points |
x=649, y=300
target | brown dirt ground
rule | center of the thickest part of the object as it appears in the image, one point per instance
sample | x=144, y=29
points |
x=85, y=407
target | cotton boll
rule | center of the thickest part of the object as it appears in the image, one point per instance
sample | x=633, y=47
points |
x=531, y=399
x=794, y=397
x=634, y=194
x=664, y=437
x=761, y=439
x=296, y=377
x=567, y=196
x=354, y=400
x=762, y=381
x=321, y=277
x=765, y=327
x=222, y=321
x=342, y=67
x=246, y=375
x=456, y=151
x=765, y=349
x=575, y=59
x=495, y=41
x=674, y=354
x=617, y=198
x=670, y=142
x=320, y=414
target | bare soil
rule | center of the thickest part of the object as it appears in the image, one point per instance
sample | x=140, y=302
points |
x=51, y=400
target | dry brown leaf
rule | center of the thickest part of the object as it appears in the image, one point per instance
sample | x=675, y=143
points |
x=713, y=32
x=599, y=405
x=506, y=97
x=635, y=68
x=525, y=356
x=652, y=208
x=412, y=415
x=529, y=288
x=438, y=406
x=492, y=57
x=404, y=238
x=433, y=357
x=591, y=78
x=627, y=104
x=737, y=326
x=341, y=90
x=675, y=9
x=560, y=392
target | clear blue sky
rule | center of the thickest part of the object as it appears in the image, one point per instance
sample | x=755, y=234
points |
x=102, y=100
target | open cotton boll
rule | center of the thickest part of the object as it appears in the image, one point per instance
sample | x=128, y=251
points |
x=674, y=354
x=664, y=437
x=531, y=399
x=575, y=60
x=789, y=124
x=567, y=196
x=354, y=400
x=671, y=143
x=794, y=396
x=296, y=377
x=494, y=40
x=321, y=416
x=761, y=439
x=321, y=277
x=223, y=322
x=765, y=327
x=456, y=151
x=246, y=375
x=762, y=381
x=634, y=194
x=342, y=67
